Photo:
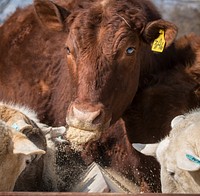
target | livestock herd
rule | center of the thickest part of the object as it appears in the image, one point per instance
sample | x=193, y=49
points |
x=103, y=75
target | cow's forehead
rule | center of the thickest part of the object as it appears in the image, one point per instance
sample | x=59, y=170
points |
x=98, y=15
x=95, y=25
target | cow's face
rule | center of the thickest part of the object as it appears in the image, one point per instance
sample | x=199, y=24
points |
x=102, y=49
x=103, y=53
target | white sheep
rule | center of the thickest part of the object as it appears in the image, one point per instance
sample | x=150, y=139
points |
x=179, y=155
x=20, y=124
x=16, y=152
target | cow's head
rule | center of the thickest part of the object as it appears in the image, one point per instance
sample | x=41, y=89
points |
x=103, y=52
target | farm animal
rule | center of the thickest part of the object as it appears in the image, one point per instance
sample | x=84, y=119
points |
x=178, y=155
x=82, y=65
x=105, y=58
x=23, y=138
x=17, y=151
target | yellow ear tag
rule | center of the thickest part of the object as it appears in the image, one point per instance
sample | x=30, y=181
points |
x=159, y=43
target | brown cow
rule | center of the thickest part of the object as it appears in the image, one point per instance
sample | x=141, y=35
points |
x=105, y=58
x=83, y=63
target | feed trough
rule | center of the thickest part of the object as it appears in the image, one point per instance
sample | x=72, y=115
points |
x=97, y=179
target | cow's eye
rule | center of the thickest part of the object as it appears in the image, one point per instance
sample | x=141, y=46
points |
x=68, y=50
x=130, y=50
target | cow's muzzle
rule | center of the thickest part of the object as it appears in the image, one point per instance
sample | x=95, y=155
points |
x=86, y=122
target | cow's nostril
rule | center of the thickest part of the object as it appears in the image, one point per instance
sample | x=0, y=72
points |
x=98, y=118
x=86, y=116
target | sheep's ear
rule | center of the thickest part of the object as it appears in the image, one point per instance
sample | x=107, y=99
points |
x=177, y=120
x=158, y=28
x=146, y=149
x=22, y=145
x=188, y=161
x=51, y=15
x=162, y=147
x=156, y=150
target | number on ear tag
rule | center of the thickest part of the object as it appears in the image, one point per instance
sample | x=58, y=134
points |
x=159, y=43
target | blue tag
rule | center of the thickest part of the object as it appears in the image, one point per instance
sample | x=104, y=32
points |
x=15, y=126
x=193, y=159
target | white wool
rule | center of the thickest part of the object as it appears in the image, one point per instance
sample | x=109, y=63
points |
x=23, y=109
x=179, y=174
x=5, y=137
x=30, y=113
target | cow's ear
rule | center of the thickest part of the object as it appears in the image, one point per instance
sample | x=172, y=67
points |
x=50, y=14
x=153, y=29
x=22, y=145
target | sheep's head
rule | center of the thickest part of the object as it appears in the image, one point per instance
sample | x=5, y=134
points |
x=179, y=155
x=16, y=153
